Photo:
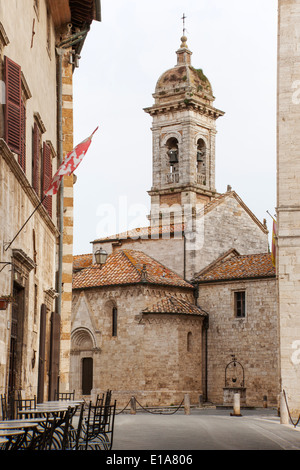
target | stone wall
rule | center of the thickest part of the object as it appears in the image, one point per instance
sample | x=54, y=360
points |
x=228, y=225
x=288, y=199
x=254, y=340
x=36, y=243
x=148, y=358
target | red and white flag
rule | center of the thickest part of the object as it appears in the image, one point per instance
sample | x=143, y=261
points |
x=70, y=163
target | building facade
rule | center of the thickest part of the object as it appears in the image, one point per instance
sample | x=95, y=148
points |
x=161, y=352
x=137, y=331
x=288, y=199
x=239, y=292
x=36, y=132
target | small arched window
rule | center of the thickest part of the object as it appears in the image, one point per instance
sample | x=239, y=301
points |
x=201, y=162
x=189, y=342
x=172, y=151
x=114, y=321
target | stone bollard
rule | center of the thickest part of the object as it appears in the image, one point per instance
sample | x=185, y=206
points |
x=132, y=406
x=187, y=404
x=265, y=401
x=236, y=405
x=284, y=416
x=200, y=401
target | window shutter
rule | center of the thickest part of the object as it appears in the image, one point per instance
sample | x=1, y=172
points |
x=22, y=156
x=36, y=184
x=54, y=355
x=13, y=105
x=47, y=176
x=42, y=354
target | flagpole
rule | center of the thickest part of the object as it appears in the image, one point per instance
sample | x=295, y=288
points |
x=41, y=202
x=270, y=216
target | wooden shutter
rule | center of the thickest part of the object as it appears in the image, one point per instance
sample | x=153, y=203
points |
x=22, y=156
x=47, y=176
x=54, y=355
x=13, y=105
x=36, y=151
x=42, y=354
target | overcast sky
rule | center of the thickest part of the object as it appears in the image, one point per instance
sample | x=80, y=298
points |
x=234, y=42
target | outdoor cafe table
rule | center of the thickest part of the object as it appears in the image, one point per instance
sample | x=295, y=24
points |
x=6, y=436
x=19, y=424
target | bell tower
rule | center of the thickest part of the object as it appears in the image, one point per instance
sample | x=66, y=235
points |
x=183, y=137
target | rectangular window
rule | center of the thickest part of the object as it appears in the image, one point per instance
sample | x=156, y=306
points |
x=239, y=304
x=114, y=321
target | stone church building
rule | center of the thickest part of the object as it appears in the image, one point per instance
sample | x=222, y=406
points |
x=186, y=305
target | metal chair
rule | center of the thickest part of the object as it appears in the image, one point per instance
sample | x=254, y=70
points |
x=24, y=404
x=4, y=407
x=97, y=431
x=75, y=433
x=64, y=395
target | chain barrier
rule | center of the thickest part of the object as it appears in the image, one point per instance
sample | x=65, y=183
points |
x=149, y=411
x=160, y=412
x=119, y=412
x=298, y=420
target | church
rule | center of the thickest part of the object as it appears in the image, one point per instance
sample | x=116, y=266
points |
x=186, y=305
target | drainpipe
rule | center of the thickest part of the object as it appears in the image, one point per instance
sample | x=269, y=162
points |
x=205, y=326
x=60, y=53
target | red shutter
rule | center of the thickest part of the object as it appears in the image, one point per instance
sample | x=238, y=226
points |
x=13, y=105
x=47, y=177
x=22, y=156
x=36, y=183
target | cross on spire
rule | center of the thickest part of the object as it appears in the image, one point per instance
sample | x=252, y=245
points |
x=183, y=20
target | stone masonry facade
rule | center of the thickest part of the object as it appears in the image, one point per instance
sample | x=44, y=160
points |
x=288, y=199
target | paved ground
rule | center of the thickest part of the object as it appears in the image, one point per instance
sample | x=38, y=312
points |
x=205, y=429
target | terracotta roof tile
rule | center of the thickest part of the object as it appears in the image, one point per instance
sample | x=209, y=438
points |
x=175, y=305
x=128, y=267
x=82, y=261
x=239, y=267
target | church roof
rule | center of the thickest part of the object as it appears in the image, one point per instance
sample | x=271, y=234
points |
x=238, y=267
x=156, y=231
x=175, y=305
x=128, y=267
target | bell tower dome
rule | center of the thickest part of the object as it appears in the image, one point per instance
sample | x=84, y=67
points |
x=183, y=131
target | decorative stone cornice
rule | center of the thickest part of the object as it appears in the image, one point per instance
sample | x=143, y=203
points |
x=4, y=41
x=185, y=104
x=39, y=122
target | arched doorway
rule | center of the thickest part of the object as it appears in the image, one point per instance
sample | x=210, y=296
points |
x=83, y=349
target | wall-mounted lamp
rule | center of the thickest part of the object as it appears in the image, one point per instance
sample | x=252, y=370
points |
x=100, y=257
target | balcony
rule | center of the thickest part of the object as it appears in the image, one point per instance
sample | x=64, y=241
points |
x=201, y=179
x=172, y=178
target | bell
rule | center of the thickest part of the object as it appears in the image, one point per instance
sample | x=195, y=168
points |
x=199, y=156
x=173, y=154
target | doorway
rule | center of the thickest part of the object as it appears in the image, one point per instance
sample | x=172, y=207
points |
x=87, y=375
